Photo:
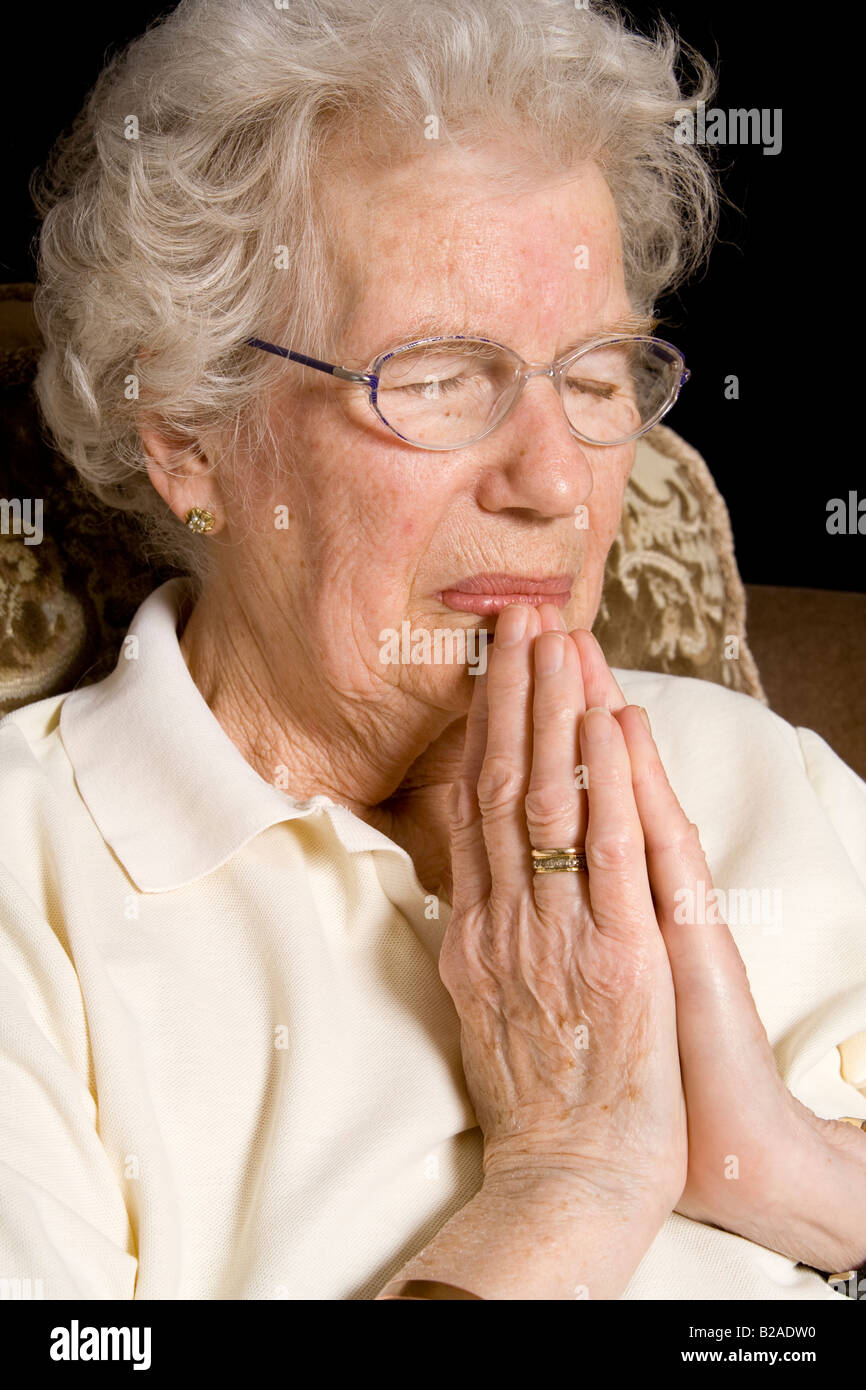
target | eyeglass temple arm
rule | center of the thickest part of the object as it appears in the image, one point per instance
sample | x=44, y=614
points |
x=343, y=373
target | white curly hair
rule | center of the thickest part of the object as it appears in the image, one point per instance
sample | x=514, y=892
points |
x=208, y=142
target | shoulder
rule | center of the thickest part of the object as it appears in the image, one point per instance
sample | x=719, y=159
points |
x=685, y=707
x=40, y=800
x=735, y=763
x=732, y=724
x=30, y=744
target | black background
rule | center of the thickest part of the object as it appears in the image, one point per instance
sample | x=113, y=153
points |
x=762, y=311
x=201, y=1340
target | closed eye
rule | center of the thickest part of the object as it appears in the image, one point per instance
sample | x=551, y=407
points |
x=440, y=387
x=603, y=390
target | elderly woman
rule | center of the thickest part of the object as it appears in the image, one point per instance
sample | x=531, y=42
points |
x=332, y=970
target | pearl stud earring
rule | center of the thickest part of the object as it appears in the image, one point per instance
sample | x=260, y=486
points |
x=200, y=520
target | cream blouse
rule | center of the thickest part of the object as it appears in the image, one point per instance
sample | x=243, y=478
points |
x=228, y=1066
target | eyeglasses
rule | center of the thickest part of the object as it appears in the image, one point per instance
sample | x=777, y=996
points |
x=447, y=393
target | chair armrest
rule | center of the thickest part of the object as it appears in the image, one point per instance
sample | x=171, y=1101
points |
x=810, y=648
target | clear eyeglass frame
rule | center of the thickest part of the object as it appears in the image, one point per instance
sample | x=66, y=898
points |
x=524, y=371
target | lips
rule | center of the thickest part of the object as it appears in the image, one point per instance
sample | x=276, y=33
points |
x=488, y=594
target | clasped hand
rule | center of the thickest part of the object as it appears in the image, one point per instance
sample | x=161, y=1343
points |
x=602, y=1037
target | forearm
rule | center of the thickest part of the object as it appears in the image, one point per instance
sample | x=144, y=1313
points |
x=526, y=1239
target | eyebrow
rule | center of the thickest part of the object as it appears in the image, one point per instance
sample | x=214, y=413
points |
x=431, y=326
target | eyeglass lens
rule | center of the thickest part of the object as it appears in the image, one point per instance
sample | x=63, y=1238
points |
x=450, y=392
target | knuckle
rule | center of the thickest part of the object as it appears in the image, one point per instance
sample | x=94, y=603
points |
x=512, y=676
x=549, y=806
x=463, y=808
x=446, y=964
x=552, y=714
x=450, y=976
x=685, y=840
x=608, y=773
x=500, y=784
x=690, y=838
x=610, y=851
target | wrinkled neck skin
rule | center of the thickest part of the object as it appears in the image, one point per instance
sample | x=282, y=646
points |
x=391, y=761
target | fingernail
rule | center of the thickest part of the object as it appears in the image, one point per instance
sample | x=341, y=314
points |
x=549, y=653
x=511, y=625
x=646, y=719
x=597, y=724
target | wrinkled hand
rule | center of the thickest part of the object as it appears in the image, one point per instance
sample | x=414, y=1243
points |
x=561, y=981
x=800, y=1184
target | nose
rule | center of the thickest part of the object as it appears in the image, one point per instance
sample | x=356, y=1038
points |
x=537, y=465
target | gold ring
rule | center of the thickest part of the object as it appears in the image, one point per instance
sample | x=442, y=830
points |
x=570, y=860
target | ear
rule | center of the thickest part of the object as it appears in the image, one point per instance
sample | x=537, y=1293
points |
x=183, y=477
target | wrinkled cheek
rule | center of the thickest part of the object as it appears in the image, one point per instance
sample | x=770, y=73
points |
x=604, y=522
x=610, y=504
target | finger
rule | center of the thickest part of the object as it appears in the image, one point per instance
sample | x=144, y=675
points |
x=599, y=685
x=713, y=995
x=554, y=815
x=619, y=890
x=679, y=874
x=551, y=618
x=504, y=775
x=470, y=870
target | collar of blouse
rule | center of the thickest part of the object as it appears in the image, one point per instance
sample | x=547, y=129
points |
x=170, y=793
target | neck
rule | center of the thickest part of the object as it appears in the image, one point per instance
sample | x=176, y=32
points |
x=389, y=760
